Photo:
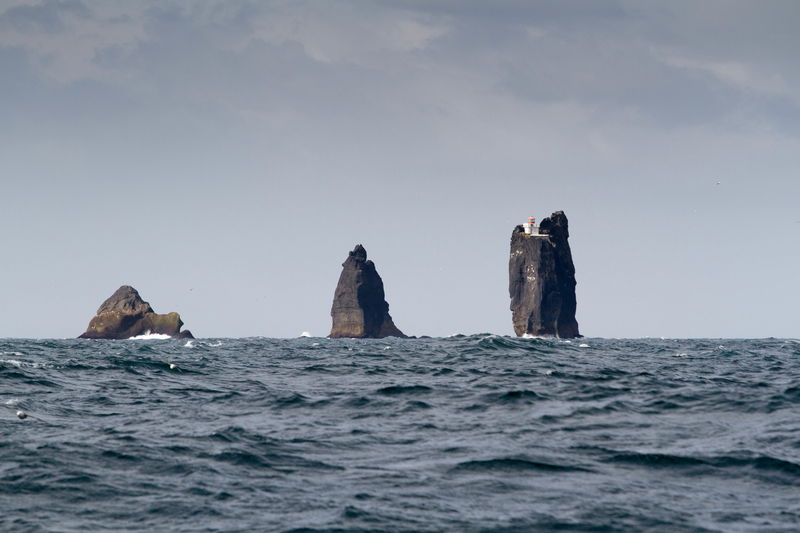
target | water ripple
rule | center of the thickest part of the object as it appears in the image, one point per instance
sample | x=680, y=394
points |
x=468, y=433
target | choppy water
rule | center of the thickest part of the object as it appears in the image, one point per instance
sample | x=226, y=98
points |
x=478, y=433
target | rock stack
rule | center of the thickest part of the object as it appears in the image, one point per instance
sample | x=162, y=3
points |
x=359, y=307
x=125, y=315
x=542, y=279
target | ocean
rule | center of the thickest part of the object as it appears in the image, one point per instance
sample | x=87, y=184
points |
x=477, y=433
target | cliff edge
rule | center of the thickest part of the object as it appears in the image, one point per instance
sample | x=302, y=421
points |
x=542, y=279
x=124, y=315
x=359, y=306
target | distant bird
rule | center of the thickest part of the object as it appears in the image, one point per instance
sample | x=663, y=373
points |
x=172, y=366
x=22, y=415
x=717, y=183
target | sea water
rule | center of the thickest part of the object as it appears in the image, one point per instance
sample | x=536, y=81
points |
x=468, y=433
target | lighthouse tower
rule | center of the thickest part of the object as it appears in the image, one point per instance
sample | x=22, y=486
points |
x=530, y=226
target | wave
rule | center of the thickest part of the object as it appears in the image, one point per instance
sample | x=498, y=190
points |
x=514, y=396
x=656, y=460
x=147, y=336
x=666, y=460
x=22, y=364
x=404, y=389
x=417, y=404
x=514, y=464
x=792, y=394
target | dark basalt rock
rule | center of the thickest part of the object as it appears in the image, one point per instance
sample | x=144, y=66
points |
x=542, y=280
x=359, y=304
x=125, y=315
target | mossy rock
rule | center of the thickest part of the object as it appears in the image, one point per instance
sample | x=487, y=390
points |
x=125, y=315
x=169, y=324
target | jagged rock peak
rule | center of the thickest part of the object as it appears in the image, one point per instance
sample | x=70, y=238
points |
x=126, y=300
x=359, y=307
x=556, y=225
x=359, y=253
x=125, y=314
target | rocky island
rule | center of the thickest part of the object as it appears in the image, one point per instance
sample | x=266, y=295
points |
x=542, y=279
x=359, y=307
x=125, y=315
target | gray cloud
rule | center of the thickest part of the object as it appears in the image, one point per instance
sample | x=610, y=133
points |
x=242, y=148
x=47, y=16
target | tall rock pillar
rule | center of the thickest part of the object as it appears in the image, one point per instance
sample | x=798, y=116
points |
x=542, y=279
x=359, y=307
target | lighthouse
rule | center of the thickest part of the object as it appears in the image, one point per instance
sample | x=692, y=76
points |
x=530, y=226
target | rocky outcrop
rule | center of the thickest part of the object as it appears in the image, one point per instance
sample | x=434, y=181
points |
x=125, y=315
x=542, y=280
x=359, y=304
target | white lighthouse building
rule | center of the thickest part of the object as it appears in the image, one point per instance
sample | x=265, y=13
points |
x=530, y=227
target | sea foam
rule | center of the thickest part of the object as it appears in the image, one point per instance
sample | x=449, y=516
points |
x=147, y=336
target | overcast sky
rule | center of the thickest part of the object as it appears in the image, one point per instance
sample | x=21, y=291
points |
x=224, y=156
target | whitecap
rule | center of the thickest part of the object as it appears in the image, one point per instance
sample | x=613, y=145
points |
x=22, y=364
x=583, y=346
x=305, y=334
x=189, y=344
x=147, y=336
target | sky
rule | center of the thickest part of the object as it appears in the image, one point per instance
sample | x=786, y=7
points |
x=224, y=156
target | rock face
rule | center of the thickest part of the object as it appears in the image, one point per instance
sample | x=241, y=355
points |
x=542, y=280
x=125, y=315
x=359, y=304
